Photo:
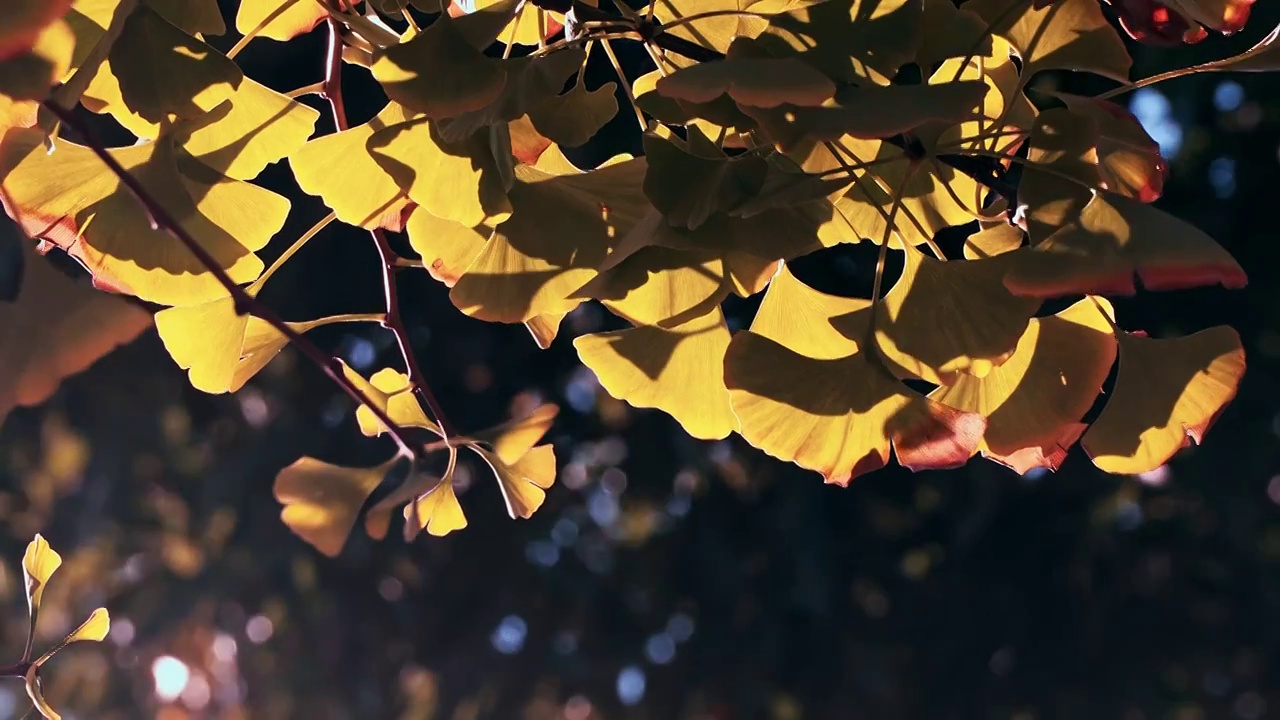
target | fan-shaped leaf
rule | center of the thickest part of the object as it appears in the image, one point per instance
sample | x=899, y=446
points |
x=524, y=483
x=25, y=20
x=849, y=40
x=679, y=371
x=253, y=128
x=530, y=82
x=995, y=239
x=391, y=390
x=38, y=565
x=279, y=19
x=1062, y=35
x=750, y=79
x=575, y=117
x=322, y=501
x=689, y=188
x=512, y=440
x=950, y=32
x=1167, y=394
x=1128, y=159
x=438, y=73
x=28, y=75
x=1035, y=401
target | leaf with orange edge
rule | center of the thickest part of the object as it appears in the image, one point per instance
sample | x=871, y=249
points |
x=561, y=229
x=253, y=128
x=438, y=72
x=341, y=170
x=71, y=198
x=24, y=21
x=947, y=317
x=56, y=328
x=1167, y=395
x=1129, y=161
x=679, y=371
x=278, y=19
x=1115, y=239
x=1035, y=402
x=447, y=248
x=322, y=501
x=453, y=181
x=1062, y=35
x=1262, y=57
x=1225, y=16
x=523, y=482
x=807, y=393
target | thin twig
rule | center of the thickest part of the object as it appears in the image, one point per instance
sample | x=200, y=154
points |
x=288, y=253
x=244, y=302
x=389, y=260
x=626, y=85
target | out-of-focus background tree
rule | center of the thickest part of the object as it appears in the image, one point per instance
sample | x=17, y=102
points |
x=665, y=577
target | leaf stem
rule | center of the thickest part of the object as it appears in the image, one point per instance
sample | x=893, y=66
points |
x=245, y=303
x=389, y=260
x=289, y=252
x=312, y=89
x=665, y=27
x=626, y=84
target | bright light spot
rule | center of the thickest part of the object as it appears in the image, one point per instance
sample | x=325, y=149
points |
x=603, y=508
x=224, y=648
x=631, y=685
x=578, y=708
x=197, y=694
x=1155, y=478
x=1155, y=112
x=360, y=352
x=680, y=627
x=122, y=631
x=8, y=703
x=1034, y=474
x=508, y=637
x=259, y=629
x=542, y=552
x=1228, y=96
x=1222, y=176
x=254, y=407
x=614, y=481
x=171, y=677
x=660, y=649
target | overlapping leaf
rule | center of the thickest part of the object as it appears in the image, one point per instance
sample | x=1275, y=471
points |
x=322, y=501
x=1060, y=35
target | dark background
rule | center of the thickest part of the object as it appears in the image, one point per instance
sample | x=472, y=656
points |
x=664, y=577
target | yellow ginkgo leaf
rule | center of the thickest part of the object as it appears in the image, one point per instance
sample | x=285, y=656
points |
x=94, y=629
x=993, y=239
x=322, y=501
x=704, y=185
x=511, y=440
x=524, y=483
x=530, y=81
x=678, y=370
x=71, y=198
x=24, y=21
x=194, y=17
x=253, y=128
x=1035, y=401
x=28, y=75
x=1059, y=35
x=1168, y=393
x=446, y=247
x=340, y=169
x=751, y=76
x=850, y=40
x=847, y=414
x=38, y=565
x=573, y=118
x=947, y=317
x=439, y=73
x=452, y=181
x=661, y=286
x=278, y=19
x=560, y=231
x=437, y=511
x=544, y=328
x=54, y=329
x=724, y=20
x=156, y=71
x=390, y=389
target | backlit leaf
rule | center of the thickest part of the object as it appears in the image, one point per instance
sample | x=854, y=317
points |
x=28, y=75
x=24, y=21
x=524, y=483
x=391, y=390
x=447, y=248
x=38, y=565
x=322, y=501
x=512, y=440
x=1262, y=57
x=437, y=510
x=749, y=79
x=529, y=82
x=996, y=239
x=279, y=19
x=950, y=32
x=689, y=188
x=575, y=117
x=1062, y=35
x=1167, y=395
x=1128, y=158
x=849, y=40
x=947, y=317
x=847, y=412
x=662, y=286
x=1035, y=401
x=438, y=73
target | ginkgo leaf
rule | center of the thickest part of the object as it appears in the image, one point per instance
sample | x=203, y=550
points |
x=1035, y=401
x=453, y=181
x=279, y=19
x=436, y=511
x=1129, y=160
x=868, y=112
x=573, y=118
x=28, y=75
x=1115, y=238
x=95, y=628
x=447, y=248
x=155, y=71
x=544, y=328
x=1225, y=16
x=702, y=186
x=661, y=286
x=1168, y=393
x=391, y=390
x=678, y=370
x=194, y=17
x=750, y=77
x=739, y=18
x=528, y=26
x=512, y=440
x=529, y=82
x=1060, y=174
x=524, y=483
x=438, y=73
x=847, y=412
x=995, y=239
x=38, y=565
x=322, y=501
x=253, y=128
x=1002, y=119
x=850, y=40
x=947, y=317
x=35, y=691
x=25, y=20
x=1062, y=35
x=560, y=231
x=949, y=32
x=56, y=328
x=341, y=170
x=1153, y=23
x=721, y=116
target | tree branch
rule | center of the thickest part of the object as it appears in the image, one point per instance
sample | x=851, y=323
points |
x=332, y=92
x=245, y=304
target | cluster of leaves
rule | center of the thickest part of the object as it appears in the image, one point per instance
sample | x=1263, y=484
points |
x=772, y=129
x=38, y=565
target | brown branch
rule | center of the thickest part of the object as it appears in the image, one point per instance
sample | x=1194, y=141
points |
x=393, y=321
x=245, y=304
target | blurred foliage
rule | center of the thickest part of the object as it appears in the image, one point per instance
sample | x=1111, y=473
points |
x=667, y=577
